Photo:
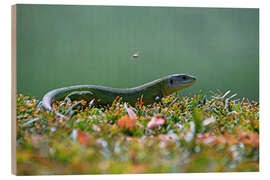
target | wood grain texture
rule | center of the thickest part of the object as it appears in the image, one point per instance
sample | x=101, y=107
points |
x=13, y=89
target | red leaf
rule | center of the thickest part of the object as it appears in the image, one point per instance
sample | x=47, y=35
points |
x=83, y=137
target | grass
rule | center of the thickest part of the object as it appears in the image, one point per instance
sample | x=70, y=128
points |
x=200, y=134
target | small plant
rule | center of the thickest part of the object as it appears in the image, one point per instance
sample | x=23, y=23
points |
x=183, y=134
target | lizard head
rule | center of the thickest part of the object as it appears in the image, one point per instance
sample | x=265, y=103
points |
x=177, y=82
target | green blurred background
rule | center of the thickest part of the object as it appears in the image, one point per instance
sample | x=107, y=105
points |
x=67, y=45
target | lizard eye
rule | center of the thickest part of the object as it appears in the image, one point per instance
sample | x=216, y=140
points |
x=171, y=81
x=184, y=78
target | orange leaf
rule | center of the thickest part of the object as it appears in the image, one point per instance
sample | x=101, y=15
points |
x=249, y=138
x=141, y=101
x=116, y=98
x=83, y=103
x=83, y=137
x=126, y=122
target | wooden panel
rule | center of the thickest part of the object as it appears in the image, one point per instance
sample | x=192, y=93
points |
x=13, y=90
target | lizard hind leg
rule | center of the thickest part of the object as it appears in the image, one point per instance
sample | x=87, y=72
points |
x=80, y=95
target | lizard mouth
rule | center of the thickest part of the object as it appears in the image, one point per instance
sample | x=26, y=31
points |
x=181, y=80
x=192, y=79
x=178, y=82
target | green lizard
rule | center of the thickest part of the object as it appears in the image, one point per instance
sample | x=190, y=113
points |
x=151, y=92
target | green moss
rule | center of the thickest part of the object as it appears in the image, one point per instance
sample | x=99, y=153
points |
x=201, y=134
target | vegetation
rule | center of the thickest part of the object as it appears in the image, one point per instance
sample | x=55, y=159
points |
x=183, y=134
